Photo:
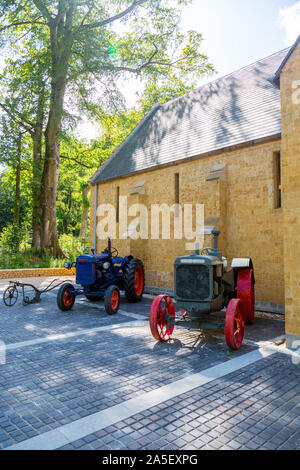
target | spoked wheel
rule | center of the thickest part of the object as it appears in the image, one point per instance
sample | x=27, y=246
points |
x=112, y=300
x=246, y=292
x=10, y=296
x=235, y=324
x=65, y=300
x=134, y=280
x=161, y=306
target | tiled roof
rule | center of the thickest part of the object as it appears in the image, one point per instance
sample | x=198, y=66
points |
x=276, y=78
x=238, y=108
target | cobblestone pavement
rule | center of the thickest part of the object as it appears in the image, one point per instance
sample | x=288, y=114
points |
x=44, y=386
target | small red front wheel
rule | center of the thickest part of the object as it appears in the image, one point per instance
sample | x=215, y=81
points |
x=160, y=326
x=235, y=324
x=65, y=298
x=112, y=300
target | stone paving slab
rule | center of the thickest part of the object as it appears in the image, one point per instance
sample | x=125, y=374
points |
x=255, y=408
x=19, y=323
x=44, y=386
x=47, y=385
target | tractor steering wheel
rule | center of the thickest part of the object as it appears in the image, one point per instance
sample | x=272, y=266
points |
x=114, y=252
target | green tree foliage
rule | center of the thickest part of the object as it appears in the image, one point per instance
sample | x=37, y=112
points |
x=86, y=49
x=65, y=60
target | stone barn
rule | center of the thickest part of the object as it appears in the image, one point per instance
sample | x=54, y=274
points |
x=232, y=145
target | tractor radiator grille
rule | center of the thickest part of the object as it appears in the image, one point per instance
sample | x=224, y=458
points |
x=192, y=282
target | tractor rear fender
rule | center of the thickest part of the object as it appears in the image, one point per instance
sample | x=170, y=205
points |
x=241, y=263
x=125, y=260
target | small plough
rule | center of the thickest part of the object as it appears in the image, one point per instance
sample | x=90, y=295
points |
x=30, y=293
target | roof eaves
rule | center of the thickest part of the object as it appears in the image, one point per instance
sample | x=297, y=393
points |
x=97, y=176
x=276, y=78
x=211, y=153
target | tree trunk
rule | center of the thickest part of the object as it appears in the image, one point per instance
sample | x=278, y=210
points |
x=18, y=183
x=61, y=46
x=37, y=173
x=85, y=213
x=49, y=237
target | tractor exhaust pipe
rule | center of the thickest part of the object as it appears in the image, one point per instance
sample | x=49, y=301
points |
x=215, y=251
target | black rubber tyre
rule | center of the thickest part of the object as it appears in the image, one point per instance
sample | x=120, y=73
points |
x=94, y=298
x=112, y=300
x=63, y=303
x=133, y=289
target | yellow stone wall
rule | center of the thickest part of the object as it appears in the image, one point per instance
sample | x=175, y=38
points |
x=244, y=199
x=290, y=103
x=14, y=274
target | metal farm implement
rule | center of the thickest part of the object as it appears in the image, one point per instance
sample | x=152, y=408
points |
x=30, y=293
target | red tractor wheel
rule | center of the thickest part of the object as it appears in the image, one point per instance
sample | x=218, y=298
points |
x=65, y=301
x=112, y=300
x=246, y=292
x=161, y=306
x=235, y=324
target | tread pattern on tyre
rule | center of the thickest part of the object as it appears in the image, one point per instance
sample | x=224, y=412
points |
x=129, y=280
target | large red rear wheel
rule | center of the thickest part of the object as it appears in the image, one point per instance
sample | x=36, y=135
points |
x=134, y=280
x=235, y=324
x=161, y=306
x=246, y=292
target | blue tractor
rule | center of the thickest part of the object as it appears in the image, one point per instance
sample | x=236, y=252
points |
x=104, y=276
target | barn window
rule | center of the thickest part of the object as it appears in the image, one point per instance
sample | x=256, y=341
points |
x=277, y=174
x=176, y=188
x=176, y=193
x=118, y=205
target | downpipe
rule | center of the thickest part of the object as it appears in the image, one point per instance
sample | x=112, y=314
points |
x=95, y=216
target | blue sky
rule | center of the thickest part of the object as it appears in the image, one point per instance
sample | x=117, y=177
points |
x=236, y=33
x=239, y=32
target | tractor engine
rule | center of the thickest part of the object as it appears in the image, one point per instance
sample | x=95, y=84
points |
x=198, y=283
x=89, y=268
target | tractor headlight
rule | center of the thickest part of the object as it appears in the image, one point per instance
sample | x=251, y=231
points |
x=67, y=265
x=106, y=265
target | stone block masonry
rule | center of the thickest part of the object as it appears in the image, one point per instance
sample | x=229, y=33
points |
x=290, y=107
x=13, y=274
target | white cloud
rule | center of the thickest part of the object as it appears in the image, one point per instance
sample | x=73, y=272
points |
x=289, y=18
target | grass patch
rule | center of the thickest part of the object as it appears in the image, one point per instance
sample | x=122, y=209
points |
x=10, y=258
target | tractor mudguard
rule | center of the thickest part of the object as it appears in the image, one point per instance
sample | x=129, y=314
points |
x=241, y=263
x=127, y=258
